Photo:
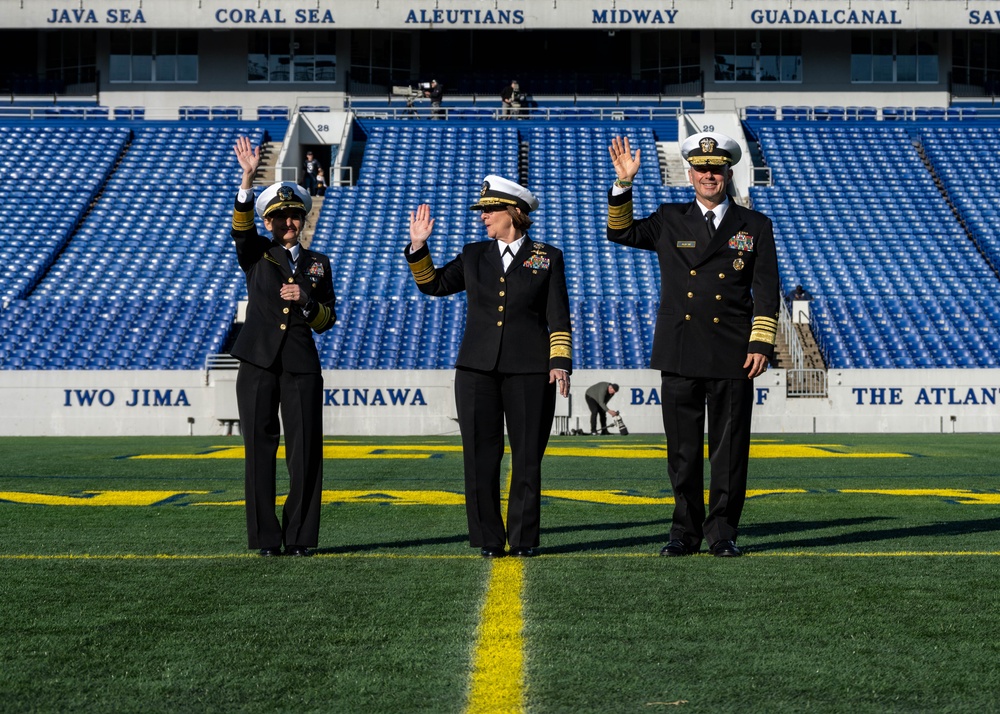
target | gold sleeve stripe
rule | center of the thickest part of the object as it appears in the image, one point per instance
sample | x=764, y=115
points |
x=765, y=329
x=242, y=220
x=423, y=270
x=560, y=345
x=620, y=217
x=321, y=319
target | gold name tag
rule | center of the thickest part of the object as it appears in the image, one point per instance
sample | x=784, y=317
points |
x=686, y=244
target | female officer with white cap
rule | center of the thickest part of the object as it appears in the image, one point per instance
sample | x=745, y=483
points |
x=291, y=296
x=516, y=351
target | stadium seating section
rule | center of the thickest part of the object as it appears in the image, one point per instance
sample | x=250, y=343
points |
x=885, y=226
x=118, y=253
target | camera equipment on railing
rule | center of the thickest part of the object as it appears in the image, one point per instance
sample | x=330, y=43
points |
x=412, y=94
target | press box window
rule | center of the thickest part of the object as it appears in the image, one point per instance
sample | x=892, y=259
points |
x=286, y=56
x=895, y=57
x=154, y=56
x=758, y=56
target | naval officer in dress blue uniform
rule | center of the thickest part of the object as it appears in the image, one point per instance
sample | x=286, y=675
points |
x=291, y=296
x=715, y=331
x=515, y=354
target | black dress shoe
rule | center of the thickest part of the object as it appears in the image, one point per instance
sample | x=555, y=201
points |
x=492, y=551
x=676, y=548
x=269, y=552
x=726, y=549
x=299, y=551
x=523, y=552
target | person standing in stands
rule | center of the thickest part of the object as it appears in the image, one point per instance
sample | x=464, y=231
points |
x=597, y=398
x=515, y=354
x=312, y=171
x=291, y=296
x=510, y=99
x=436, y=95
x=715, y=331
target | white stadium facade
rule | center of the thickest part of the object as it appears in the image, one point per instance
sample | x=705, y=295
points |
x=316, y=68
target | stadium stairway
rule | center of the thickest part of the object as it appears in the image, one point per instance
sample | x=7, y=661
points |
x=672, y=165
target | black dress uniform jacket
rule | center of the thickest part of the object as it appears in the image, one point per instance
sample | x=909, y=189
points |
x=515, y=323
x=719, y=297
x=274, y=325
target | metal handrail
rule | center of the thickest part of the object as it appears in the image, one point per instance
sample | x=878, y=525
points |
x=220, y=362
x=791, y=336
x=608, y=113
x=806, y=383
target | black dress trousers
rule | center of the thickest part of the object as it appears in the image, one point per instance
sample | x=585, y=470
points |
x=260, y=393
x=730, y=405
x=527, y=402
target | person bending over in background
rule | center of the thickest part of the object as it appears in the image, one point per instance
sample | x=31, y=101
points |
x=597, y=397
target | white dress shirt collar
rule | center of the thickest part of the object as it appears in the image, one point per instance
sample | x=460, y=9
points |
x=719, y=211
x=514, y=246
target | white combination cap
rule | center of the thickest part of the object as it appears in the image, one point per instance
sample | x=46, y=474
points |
x=498, y=191
x=286, y=194
x=710, y=148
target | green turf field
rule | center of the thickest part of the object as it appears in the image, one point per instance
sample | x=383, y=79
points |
x=870, y=584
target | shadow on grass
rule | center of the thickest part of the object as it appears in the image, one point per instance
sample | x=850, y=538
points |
x=660, y=537
x=856, y=537
x=605, y=544
x=396, y=544
x=774, y=535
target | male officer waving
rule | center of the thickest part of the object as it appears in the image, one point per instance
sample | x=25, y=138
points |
x=715, y=331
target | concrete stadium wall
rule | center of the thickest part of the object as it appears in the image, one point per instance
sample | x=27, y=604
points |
x=358, y=403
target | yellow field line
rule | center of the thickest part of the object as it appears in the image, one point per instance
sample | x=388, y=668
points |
x=497, y=681
x=513, y=561
x=497, y=685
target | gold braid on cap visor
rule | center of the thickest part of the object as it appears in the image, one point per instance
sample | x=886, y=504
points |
x=278, y=205
x=710, y=160
x=494, y=201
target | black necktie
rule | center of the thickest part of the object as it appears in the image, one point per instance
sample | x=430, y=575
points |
x=291, y=260
x=710, y=222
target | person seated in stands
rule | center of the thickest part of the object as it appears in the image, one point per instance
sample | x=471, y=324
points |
x=799, y=293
